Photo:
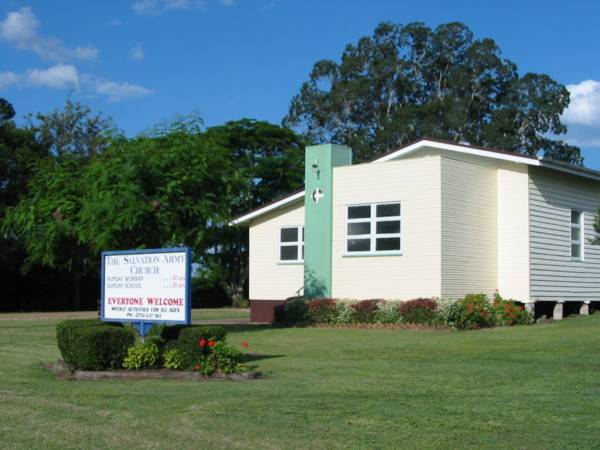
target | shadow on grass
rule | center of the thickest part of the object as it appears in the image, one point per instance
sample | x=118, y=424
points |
x=251, y=357
x=243, y=328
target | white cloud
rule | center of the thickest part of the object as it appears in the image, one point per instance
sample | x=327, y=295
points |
x=59, y=76
x=137, y=52
x=584, y=108
x=582, y=117
x=66, y=76
x=8, y=79
x=154, y=7
x=20, y=28
x=112, y=90
x=121, y=91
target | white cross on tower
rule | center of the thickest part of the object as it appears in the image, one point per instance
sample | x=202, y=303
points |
x=317, y=195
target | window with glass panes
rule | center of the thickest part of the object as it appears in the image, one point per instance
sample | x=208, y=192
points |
x=576, y=234
x=291, y=244
x=372, y=229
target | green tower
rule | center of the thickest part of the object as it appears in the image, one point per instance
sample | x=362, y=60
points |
x=318, y=205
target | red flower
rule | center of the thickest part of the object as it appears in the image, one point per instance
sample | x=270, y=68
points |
x=211, y=343
x=202, y=343
x=245, y=344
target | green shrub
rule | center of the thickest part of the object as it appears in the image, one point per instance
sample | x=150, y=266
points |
x=388, y=312
x=93, y=345
x=142, y=356
x=343, y=314
x=226, y=358
x=509, y=312
x=173, y=359
x=473, y=311
x=364, y=311
x=189, y=340
x=166, y=333
x=420, y=311
x=322, y=310
x=295, y=311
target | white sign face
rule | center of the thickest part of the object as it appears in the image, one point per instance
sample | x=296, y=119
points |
x=145, y=286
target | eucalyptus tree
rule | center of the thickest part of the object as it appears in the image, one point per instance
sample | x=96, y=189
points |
x=405, y=82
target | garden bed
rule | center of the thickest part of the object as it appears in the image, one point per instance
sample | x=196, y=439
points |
x=384, y=326
x=62, y=370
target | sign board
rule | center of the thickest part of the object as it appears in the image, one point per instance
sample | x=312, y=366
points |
x=146, y=286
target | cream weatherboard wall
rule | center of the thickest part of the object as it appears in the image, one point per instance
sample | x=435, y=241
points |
x=513, y=231
x=554, y=275
x=469, y=255
x=415, y=183
x=270, y=279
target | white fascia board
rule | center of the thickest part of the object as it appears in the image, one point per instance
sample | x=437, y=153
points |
x=459, y=149
x=266, y=209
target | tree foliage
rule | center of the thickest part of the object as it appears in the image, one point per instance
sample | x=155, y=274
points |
x=177, y=185
x=73, y=130
x=405, y=82
x=269, y=162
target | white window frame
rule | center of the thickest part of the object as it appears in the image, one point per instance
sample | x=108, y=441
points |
x=373, y=235
x=577, y=226
x=299, y=243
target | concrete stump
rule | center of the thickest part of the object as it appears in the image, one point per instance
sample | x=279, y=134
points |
x=557, y=314
x=585, y=309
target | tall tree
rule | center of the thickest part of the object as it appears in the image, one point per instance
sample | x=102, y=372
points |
x=269, y=162
x=45, y=219
x=405, y=82
x=19, y=152
x=73, y=130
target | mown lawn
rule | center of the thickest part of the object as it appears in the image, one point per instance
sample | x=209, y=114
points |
x=524, y=387
x=220, y=313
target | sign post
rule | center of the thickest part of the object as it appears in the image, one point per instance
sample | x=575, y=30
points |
x=146, y=287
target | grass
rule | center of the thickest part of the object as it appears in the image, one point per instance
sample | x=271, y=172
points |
x=197, y=314
x=522, y=387
x=220, y=313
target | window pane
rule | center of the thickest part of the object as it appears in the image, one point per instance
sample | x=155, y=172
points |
x=392, y=226
x=359, y=228
x=359, y=212
x=575, y=234
x=384, y=244
x=575, y=217
x=289, y=234
x=303, y=253
x=392, y=209
x=288, y=253
x=359, y=245
x=302, y=234
x=575, y=251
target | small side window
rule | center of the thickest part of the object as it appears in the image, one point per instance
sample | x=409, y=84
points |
x=291, y=244
x=577, y=231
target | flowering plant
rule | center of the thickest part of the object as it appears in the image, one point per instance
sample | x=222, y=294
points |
x=217, y=356
x=509, y=312
x=473, y=311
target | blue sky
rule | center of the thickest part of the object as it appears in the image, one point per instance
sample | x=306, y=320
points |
x=144, y=61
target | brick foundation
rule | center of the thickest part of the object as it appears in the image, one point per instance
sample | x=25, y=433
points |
x=264, y=310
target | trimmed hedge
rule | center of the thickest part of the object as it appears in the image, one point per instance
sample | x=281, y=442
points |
x=92, y=345
x=168, y=333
